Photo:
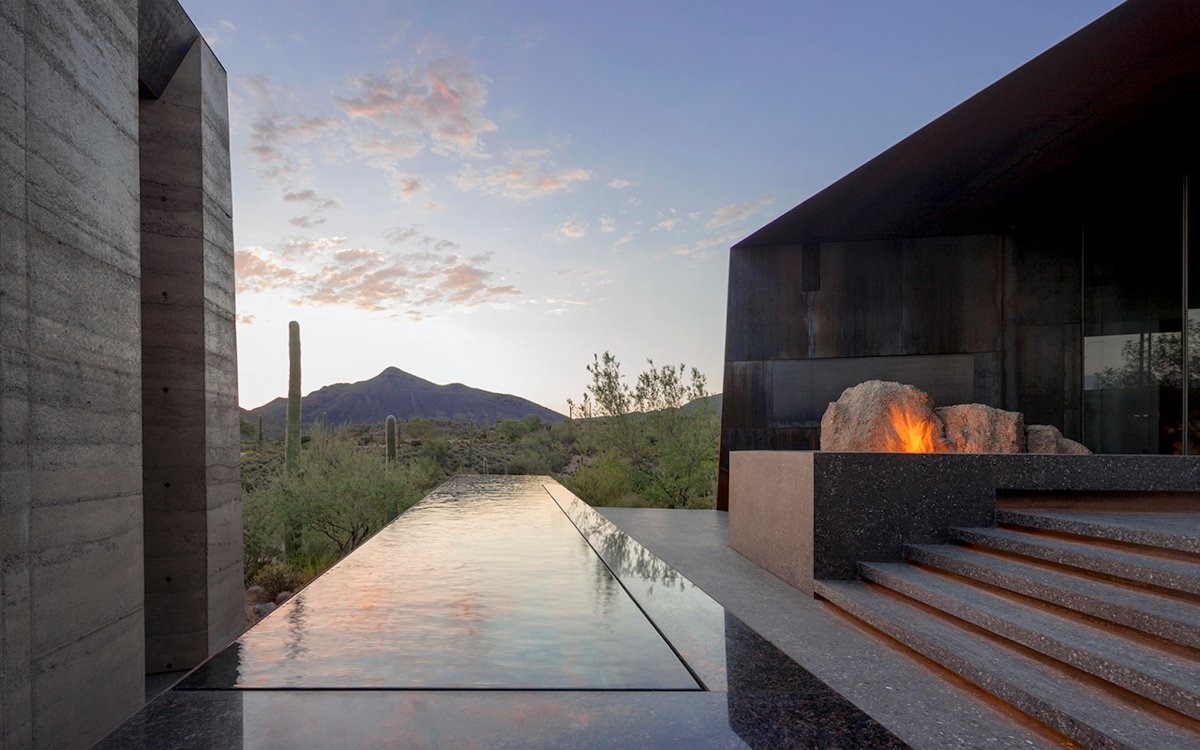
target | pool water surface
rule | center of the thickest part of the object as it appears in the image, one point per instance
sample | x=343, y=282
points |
x=484, y=584
x=501, y=612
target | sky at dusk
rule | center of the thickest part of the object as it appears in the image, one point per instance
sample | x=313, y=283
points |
x=491, y=192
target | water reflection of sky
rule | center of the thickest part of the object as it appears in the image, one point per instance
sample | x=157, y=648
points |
x=485, y=584
x=501, y=612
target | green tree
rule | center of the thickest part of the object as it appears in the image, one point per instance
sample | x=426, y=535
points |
x=666, y=449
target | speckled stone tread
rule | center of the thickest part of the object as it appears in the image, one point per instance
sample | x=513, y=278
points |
x=1180, y=575
x=1161, y=676
x=1051, y=693
x=1175, y=531
x=1167, y=617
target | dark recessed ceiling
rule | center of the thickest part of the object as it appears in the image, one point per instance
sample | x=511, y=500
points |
x=1122, y=90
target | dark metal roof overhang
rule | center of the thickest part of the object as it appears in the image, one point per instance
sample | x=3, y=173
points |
x=1131, y=78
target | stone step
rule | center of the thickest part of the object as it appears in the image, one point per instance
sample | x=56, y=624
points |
x=1165, y=677
x=1165, y=572
x=1167, y=617
x=1178, y=531
x=1074, y=704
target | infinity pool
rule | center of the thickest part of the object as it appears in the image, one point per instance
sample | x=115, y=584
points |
x=484, y=584
x=501, y=611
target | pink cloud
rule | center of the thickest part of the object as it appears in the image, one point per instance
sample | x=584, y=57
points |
x=353, y=255
x=526, y=174
x=413, y=236
x=307, y=248
x=255, y=272
x=734, y=212
x=372, y=279
x=440, y=105
x=276, y=139
x=307, y=221
x=310, y=196
x=571, y=229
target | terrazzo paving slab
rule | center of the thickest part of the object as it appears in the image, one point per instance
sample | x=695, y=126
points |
x=1167, y=617
x=1168, y=573
x=1142, y=668
x=1050, y=692
x=1168, y=530
x=913, y=701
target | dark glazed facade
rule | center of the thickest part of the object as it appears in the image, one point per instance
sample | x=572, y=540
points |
x=1027, y=250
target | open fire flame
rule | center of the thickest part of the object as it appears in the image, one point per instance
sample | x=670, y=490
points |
x=912, y=433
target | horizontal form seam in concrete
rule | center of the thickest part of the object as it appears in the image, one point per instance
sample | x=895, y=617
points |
x=76, y=501
x=136, y=611
x=85, y=230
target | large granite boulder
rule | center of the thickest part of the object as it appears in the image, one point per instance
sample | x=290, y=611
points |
x=1044, y=438
x=864, y=418
x=976, y=428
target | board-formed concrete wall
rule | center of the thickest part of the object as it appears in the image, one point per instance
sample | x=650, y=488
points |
x=72, y=539
x=190, y=428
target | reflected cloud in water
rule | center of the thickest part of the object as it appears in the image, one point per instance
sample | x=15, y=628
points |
x=501, y=612
x=484, y=584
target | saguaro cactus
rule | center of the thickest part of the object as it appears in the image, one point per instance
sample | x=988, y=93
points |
x=292, y=440
x=260, y=432
x=391, y=439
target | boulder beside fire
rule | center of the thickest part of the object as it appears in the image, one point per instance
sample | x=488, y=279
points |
x=884, y=416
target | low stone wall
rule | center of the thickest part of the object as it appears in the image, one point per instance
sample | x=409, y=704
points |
x=812, y=515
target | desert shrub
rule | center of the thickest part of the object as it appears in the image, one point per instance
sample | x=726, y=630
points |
x=342, y=493
x=437, y=449
x=602, y=481
x=529, y=460
x=276, y=577
x=260, y=463
x=308, y=566
x=515, y=429
x=419, y=429
x=666, y=453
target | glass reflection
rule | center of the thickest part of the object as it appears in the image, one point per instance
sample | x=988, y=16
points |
x=1133, y=319
x=1193, y=416
x=1192, y=227
x=1133, y=392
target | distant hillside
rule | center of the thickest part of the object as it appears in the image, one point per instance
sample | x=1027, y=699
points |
x=712, y=402
x=405, y=396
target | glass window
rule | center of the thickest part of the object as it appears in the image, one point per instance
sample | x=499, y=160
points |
x=1133, y=319
x=1193, y=321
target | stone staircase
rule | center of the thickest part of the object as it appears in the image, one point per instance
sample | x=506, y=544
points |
x=1086, y=620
